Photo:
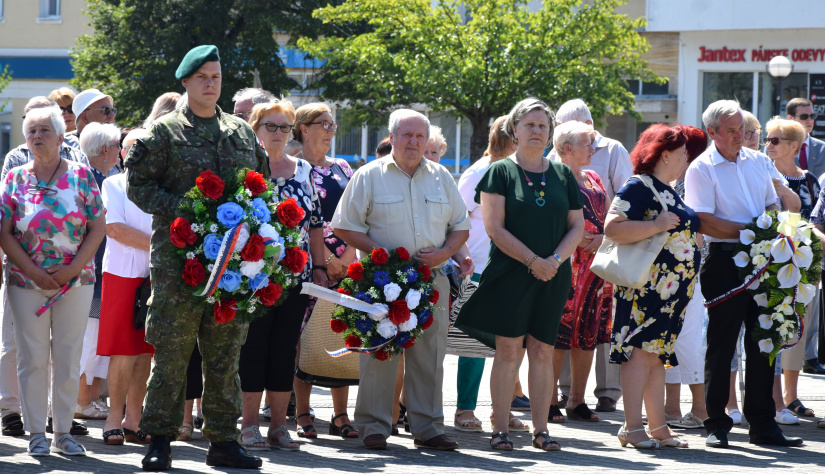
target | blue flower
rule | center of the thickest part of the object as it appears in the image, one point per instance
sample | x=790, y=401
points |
x=258, y=281
x=230, y=281
x=260, y=210
x=364, y=296
x=212, y=246
x=230, y=213
x=377, y=341
x=411, y=274
x=363, y=324
x=381, y=278
x=424, y=316
x=402, y=338
x=425, y=291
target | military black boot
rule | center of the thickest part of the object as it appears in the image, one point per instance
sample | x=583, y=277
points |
x=231, y=454
x=159, y=457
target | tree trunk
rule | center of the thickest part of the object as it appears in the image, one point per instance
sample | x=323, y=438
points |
x=480, y=136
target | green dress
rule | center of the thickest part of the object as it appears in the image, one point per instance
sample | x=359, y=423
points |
x=510, y=301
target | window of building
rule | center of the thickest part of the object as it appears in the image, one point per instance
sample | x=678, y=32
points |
x=755, y=91
x=638, y=87
x=49, y=11
x=727, y=86
x=795, y=85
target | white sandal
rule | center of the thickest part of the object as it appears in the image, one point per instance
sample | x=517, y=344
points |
x=673, y=441
x=249, y=443
x=284, y=441
x=67, y=445
x=786, y=417
x=468, y=424
x=39, y=445
x=735, y=415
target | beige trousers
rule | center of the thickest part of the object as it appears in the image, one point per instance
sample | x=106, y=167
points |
x=56, y=334
x=793, y=358
x=423, y=380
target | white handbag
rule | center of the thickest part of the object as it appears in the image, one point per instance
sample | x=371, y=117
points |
x=629, y=265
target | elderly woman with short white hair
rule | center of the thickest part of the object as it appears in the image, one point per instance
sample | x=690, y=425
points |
x=436, y=146
x=52, y=223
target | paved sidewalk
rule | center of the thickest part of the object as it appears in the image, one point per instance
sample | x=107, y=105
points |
x=587, y=447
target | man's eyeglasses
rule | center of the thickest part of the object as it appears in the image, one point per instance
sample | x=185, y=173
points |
x=107, y=110
x=326, y=124
x=753, y=134
x=38, y=190
x=807, y=116
x=775, y=140
x=273, y=127
x=66, y=110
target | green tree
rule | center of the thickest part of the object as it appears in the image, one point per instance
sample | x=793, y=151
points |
x=479, y=57
x=5, y=78
x=137, y=45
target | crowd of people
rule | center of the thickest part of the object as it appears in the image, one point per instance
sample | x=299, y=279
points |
x=86, y=206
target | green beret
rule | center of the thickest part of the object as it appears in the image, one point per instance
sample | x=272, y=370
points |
x=195, y=58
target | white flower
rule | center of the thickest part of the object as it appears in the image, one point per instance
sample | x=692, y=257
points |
x=778, y=317
x=781, y=251
x=243, y=237
x=250, y=269
x=764, y=221
x=786, y=306
x=667, y=197
x=766, y=345
x=746, y=236
x=190, y=255
x=765, y=321
x=741, y=259
x=267, y=230
x=213, y=228
x=755, y=283
x=761, y=300
x=391, y=292
x=759, y=261
x=373, y=292
x=805, y=293
x=384, y=310
x=802, y=257
x=413, y=298
x=788, y=276
x=387, y=329
x=668, y=285
x=210, y=299
x=251, y=309
x=620, y=207
x=409, y=324
x=210, y=267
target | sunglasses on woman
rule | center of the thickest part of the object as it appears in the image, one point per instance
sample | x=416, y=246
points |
x=273, y=127
x=775, y=140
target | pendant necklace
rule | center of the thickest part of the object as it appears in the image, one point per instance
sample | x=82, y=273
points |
x=540, y=193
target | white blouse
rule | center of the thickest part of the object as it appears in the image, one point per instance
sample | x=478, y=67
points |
x=119, y=259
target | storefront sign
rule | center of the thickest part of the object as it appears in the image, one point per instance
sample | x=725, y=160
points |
x=725, y=55
x=818, y=99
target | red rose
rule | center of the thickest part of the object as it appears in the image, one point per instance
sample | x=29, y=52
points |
x=211, y=185
x=337, y=325
x=225, y=311
x=434, y=297
x=424, y=272
x=379, y=256
x=290, y=213
x=410, y=342
x=253, y=251
x=270, y=294
x=427, y=323
x=255, y=183
x=193, y=272
x=296, y=259
x=355, y=271
x=181, y=233
x=399, y=312
x=383, y=354
x=343, y=291
x=402, y=253
x=352, y=341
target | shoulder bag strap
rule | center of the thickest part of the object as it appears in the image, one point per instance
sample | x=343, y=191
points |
x=655, y=193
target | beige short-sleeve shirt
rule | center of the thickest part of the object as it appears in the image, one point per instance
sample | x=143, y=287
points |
x=396, y=210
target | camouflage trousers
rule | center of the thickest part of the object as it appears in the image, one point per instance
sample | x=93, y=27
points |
x=173, y=324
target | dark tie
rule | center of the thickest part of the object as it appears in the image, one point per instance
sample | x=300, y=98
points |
x=803, y=156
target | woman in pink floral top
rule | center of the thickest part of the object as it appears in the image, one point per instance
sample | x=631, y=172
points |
x=52, y=223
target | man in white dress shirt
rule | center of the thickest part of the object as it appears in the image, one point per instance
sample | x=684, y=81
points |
x=728, y=187
x=611, y=162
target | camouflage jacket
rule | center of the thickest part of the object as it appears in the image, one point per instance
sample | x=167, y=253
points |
x=162, y=167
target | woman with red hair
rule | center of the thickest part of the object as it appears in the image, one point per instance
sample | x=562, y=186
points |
x=647, y=320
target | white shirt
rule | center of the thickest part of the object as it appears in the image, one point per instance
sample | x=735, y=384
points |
x=610, y=161
x=119, y=259
x=737, y=192
x=479, y=241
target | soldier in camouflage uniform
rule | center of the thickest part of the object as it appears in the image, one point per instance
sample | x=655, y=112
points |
x=161, y=168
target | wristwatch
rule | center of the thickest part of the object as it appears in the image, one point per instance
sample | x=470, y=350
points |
x=557, y=257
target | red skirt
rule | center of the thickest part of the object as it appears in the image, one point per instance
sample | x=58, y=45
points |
x=117, y=334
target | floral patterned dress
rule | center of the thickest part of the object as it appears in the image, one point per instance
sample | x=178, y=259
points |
x=651, y=317
x=330, y=181
x=588, y=316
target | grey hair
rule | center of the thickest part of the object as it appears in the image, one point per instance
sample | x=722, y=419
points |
x=569, y=132
x=520, y=110
x=438, y=136
x=164, y=104
x=750, y=119
x=51, y=112
x=397, y=116
x=574, y=109
x=96, y=135
x=256, y=95
x=713, y=115
x=133, y=135
x=38, y=102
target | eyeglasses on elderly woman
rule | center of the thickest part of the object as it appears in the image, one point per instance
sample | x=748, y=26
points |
x=775, y=140
x=273, y=127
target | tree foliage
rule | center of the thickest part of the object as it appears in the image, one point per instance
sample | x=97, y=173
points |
x=479, y=57
x=137, y=45
x=5, y=78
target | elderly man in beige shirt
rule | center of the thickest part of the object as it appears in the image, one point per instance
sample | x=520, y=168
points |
x=403, y=200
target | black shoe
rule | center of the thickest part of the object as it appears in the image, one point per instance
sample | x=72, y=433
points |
x=13, y=425
x=718, y=438
x=198, y=421
x=231, y=454
x=159, y=456
x=775, y=438
x=812, y=366
x=77, y=429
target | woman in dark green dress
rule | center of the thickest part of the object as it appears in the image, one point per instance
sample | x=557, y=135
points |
x=532, y=212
